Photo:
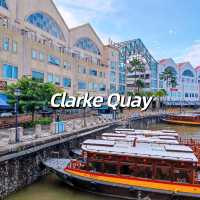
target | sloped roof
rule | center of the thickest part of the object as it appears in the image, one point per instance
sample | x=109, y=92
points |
x=92, y=29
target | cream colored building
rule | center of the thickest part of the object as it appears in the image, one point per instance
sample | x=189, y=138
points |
x=35, y=41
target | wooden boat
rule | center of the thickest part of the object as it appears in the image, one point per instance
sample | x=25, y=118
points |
x=133, y=170
x=185, y=119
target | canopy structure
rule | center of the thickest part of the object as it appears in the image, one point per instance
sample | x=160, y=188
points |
x=4, y=102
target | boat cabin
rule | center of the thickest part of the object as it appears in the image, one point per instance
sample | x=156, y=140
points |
x=164, y=162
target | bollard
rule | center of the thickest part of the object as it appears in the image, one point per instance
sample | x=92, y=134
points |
x=12, y=136
x=38, y=131
x=53, y=128
x=21, y=133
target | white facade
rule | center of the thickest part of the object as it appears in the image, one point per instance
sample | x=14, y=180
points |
x=187, y=90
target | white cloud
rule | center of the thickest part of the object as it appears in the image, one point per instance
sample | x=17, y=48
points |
x=81, y=11
x=172, y=32
x=193, y=54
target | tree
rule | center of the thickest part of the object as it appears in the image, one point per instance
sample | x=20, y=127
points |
x=159, y=94
x=34, y=94
x=169, y=77
x=139, y=85
x=136, y=66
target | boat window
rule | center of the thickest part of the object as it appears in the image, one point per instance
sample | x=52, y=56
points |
x=181, y=176
x=163, y=173
x=110, y=168
x=144, y=171
x=96, y=166
x=126, y=170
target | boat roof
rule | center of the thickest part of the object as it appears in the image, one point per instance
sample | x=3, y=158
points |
x=140, y=138
x=144, y=150
x=186, y=115
x=148, y=132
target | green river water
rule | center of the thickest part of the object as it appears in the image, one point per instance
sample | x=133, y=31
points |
x=51, y=188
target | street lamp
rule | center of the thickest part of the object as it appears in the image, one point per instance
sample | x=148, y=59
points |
x=17, y=94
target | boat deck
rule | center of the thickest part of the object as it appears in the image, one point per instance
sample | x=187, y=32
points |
x=57, y=164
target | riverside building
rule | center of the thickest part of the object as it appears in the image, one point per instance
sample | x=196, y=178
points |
x=35, y=41
x=188, y=83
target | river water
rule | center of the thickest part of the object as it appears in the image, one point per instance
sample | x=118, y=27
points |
x=51, y=188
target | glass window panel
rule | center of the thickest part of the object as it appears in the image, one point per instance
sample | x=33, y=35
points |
x=93, y=72
x=34, y=54
x=38, y=76
x=87, y=44
x=46, y=23
x=82, y=85
x=14, y=47
x=10, y=71
x=66, y=82
x=3, y=4
x=53, y=60
x=41, y=56
x=6, y=44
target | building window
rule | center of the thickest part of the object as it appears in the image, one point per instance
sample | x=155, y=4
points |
x=87, y=44
x=186, y=95
x=53, y=79
x=3, y=4
x=14, y=47
x=82, y=70
x=53, y=60
x=34, y=54
x=67, y=65
x=113, y=65
x=6, y=44
x=113, y=88
x=45, y=23
x=10, y=72
x=188, y=73
x=82, y=85
x=93, y=72
x=102, y=87
x=112, y=77
x=41, y=56
x=66, y=82
x=39, y=76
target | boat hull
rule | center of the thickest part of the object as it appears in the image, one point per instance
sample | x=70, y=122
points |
x=181, y=122
x=120, y=187
x=118, y=190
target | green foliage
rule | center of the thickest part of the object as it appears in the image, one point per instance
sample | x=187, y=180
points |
x=44, y=121
x=161, y=93
x=34, y=94
x=136, y=66
x=169, y=77
x=139, y=84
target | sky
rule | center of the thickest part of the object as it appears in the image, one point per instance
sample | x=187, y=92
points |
x=168, y=28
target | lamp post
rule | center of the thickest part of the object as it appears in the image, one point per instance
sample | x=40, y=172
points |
x=17, y=94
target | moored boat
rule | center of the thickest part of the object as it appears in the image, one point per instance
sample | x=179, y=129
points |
x=184, y=119
x=127, y=169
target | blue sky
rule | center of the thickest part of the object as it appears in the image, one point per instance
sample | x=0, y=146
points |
x=168, y=28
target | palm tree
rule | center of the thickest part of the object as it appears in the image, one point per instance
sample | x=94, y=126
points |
x=139, y=85
x=169, y=77
x=159, y=94
x=136, y=66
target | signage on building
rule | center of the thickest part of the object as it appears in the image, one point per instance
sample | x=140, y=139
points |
x=173, y=89
x=3, y=85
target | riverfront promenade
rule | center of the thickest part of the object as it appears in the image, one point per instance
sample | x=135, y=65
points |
x=7, y=136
